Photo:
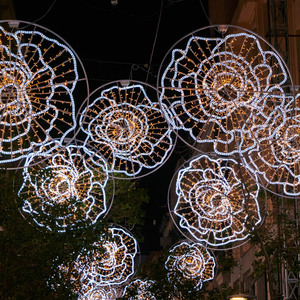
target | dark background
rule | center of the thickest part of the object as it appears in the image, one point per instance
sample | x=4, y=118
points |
x=127, y=40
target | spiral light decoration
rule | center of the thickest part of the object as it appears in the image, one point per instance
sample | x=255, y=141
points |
x=109, y=262
x=38, y=75
x=276, y=160
x=216, y=201
x=63, y=188
x=190, y=263
x=125, y=124
x=101, y=293
x=141, y=289
x=219, y=91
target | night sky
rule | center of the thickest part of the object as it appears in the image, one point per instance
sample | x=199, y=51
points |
x=118, y=42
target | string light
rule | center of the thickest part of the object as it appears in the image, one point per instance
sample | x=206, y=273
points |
x=217, y=201
x=190, y=263
x=141, y=289
x=101, y=293
x=38, y=77
x=109, y=262
x=220, y=90
x=63, y=188
x=276, y=160
x=127, y=128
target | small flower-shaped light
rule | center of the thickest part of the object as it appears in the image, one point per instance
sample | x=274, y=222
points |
x=101, y=293
x=276, y=160
x=38, y=77
x=127, y=127
x=217, y=89
x=63, y=188
x=190, y=264
x=109, y=262
x=139, y=290
x=217, y=201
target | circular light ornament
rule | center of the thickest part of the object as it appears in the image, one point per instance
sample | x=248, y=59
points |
x=139, y=290
x=276, y=160
x=38, y=75
x=110, y=261
x=219, y=90
x=63, y=188
x=101, y=293
x=190, y=263
x=216, y=201
x=124, y=123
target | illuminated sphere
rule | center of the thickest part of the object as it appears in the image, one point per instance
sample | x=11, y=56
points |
x=219, y=91
x=124, y=123
x=190, y=263
x=141, y=289
x=62, y=188
x=276, y=160
x=216, y=201
x=39, y=73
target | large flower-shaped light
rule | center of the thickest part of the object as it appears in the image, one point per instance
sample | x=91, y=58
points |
x=190, y=264
x=139, y=290
x=217, y=201
x=218, y=89
x=128, y=129
x=38, y=77
x=62, y=187
x=109, y=262
x=276, y=160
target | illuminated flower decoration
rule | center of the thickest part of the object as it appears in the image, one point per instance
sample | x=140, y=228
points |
x=128, y=128
x=62, y=187
x=139, y=290
x=220, y=89
x=190, y=264
x=217, y=201
x=109, y=262
x=38, y=77
x=101, y=293
x=276, y=160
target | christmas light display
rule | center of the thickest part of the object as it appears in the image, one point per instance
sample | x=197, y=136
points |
x=101, y=293
x=220, y=90
x=109, y=262
x=217, y=201
x=63, y=188
x=190, y=263
x=276, y=160
x=125, y=124
x=38, y=76
x=141, y=289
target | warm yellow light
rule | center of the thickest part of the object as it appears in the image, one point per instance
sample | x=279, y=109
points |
x=237, y=298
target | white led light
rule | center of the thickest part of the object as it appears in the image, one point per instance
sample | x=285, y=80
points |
x=63, y=188
x=221, y=90
x=190, y=263
x=128, y=129
x=217, y=201
x=38, y=77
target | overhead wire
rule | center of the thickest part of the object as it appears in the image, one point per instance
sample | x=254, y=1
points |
x=155, y=38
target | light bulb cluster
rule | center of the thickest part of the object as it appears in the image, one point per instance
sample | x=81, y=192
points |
x=189, y=264
x=106, y=265
x=38, y=78
x=128, y=128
